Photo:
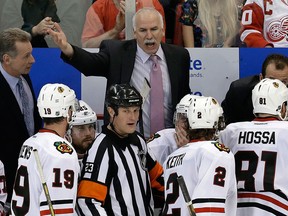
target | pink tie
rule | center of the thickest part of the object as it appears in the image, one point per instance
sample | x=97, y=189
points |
x=156, y=97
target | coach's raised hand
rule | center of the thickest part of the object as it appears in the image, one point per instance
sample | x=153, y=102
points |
x=60, y=40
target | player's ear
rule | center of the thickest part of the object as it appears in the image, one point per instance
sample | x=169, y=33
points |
x=261, y=76
x=284, y=110
x=111, y=111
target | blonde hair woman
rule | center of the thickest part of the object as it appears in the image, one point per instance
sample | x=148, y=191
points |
x=209, y=23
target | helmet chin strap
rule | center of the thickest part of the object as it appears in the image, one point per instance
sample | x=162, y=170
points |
x=68, y=132
x=113, y=128
x=68, y=136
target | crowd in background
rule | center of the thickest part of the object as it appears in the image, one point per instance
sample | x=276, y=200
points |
x=193, y=23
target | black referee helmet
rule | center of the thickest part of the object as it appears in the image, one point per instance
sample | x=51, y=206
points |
x=122, y=95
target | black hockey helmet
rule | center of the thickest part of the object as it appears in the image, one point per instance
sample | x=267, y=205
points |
x=123, y=95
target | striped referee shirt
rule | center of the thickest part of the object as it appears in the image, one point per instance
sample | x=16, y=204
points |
x=119, y=177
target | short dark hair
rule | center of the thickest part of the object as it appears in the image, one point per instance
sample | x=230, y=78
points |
x=196, y=134
x=279, y=60
x=50, y=121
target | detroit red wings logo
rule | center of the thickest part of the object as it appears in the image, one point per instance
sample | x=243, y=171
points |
x=278, y=29
x=63, y=147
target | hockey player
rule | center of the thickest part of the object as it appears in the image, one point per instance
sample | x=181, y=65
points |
x=120, y=176
x=166, y=141
x=3, y=190
x=82, y=130
x=260, y=149
x=58, y=159
x=207, y=166
x=264, y=23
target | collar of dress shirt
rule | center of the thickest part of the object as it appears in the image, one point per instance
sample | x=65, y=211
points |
x=12, y=81
x=144, y=56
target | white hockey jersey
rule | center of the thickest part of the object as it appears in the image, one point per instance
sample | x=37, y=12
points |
x=60, y=167
x=265, y=22
x=162, y=144
x=208, y=169
x=260, y=149
x=3, y=190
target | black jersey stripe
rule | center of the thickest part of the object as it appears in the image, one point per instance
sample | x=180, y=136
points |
x=91, y=207
x=260, y=206
x=129, y=179
x=209, y=200
x=143, y=192
x=110, y=161
x=57, y=202
x=102, y=149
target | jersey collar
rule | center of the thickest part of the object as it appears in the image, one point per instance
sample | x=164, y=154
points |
x=45, y=130
x=266, y=119
x=131, y=139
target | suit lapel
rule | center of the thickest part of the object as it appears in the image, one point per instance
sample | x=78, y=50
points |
x=173, y=69
x=6, y=93
x=128, y=55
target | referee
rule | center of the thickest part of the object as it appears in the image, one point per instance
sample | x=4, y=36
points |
x=120, y=177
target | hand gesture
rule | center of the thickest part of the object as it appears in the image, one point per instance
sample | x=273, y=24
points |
x=120, y=19
x=181, y=136
x=60, y=40
x=42, y=27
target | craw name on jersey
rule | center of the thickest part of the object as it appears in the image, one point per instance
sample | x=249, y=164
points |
x=175, y=161
x=256, y=137
x=25, y=152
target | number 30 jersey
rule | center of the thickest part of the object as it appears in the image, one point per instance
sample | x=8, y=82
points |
x=260, y=148
x=208, y=169
x=60, y=167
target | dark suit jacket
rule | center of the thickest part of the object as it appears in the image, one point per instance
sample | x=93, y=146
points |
x=13, y=130
x=237, y=105
x=116, y=59
x=33, y=12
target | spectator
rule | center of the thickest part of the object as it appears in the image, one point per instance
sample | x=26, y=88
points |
x=38, y=16
x=166, y=141
x=237, y=104
x=82, y=130
x=57, y=157
x=120, y=176
x=3, y=190
x=264, y=23
x=129, y=62
x=215, y=26
x=260, y=148
x=105, y=19
x=71, y=13
x=207, y=166
x=16, y=61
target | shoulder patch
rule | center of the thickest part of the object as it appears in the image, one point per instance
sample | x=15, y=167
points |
x=221, y=147
x=63, y=147
x=152, y=137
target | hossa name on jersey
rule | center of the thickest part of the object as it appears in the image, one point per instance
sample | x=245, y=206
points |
x=256, y=137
